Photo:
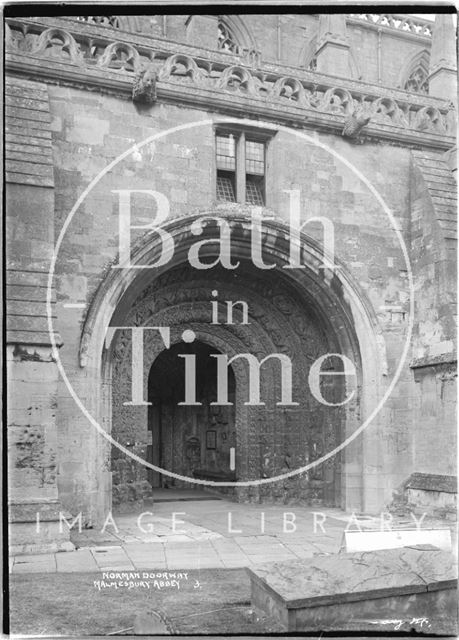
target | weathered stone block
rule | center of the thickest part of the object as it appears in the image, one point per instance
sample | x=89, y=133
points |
x=88, y=130
x=361, y=591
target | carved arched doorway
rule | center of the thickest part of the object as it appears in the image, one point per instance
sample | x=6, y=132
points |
x=269, y=438
x=302, y=313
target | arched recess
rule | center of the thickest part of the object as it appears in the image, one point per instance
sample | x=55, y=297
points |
x=334, y=297
x=238, y=32
x=280, y=320
x=415, y=73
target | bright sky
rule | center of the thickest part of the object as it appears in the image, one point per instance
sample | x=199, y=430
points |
x=430, y=16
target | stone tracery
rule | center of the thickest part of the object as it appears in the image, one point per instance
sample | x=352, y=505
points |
x=226, y=39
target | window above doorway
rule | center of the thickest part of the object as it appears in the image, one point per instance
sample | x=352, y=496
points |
x=241, y=166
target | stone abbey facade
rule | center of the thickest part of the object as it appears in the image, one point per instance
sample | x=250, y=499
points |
x=347, y=121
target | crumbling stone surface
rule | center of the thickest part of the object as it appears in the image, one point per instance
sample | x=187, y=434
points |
x=354, y=591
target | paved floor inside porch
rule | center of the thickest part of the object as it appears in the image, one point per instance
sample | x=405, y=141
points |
x=180, y=532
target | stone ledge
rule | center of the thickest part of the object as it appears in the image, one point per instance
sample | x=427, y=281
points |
x=432, y=361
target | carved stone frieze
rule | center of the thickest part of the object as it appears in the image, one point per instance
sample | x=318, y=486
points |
x=120, y=56
x=164, y=293
x=313, y=92
x=57, y=43
x=183, y=68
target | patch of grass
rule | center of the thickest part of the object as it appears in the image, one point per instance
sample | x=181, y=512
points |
x=211, y=601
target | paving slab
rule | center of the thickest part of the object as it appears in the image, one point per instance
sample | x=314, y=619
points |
x=43, y=563
x=193, y=555
x=176, y=537
x=146, y=556
x=111, y=558
x=193, y=548
x=152, y=548
x=255, y=539
x=224, y=543
x=207, y=539
x=274, y=556
x=149, y=564
x=192, y=558
x=302, y=551
x=230, y=553
x=236, y=563
x=178, y=563
x=237, y=560
x=73, y=561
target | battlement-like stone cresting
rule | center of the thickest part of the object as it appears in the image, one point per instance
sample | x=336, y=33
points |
x=362, y=591
x=64, y=52
x=407, y=24
x=396, y=21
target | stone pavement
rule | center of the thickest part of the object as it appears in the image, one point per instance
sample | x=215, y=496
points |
x=201, y=534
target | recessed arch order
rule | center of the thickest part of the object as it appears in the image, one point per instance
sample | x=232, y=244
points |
x=336, y=297
x=339, y=297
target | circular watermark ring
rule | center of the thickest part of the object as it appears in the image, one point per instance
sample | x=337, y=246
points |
x=350, y=438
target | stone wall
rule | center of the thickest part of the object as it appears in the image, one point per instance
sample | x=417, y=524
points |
x=434, y=241
x=89, y=129
x=290, y=39
x=79, y=127
x=427, y=494
x=31, y=368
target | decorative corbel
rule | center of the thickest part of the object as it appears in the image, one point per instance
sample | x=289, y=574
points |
x=144, y=87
